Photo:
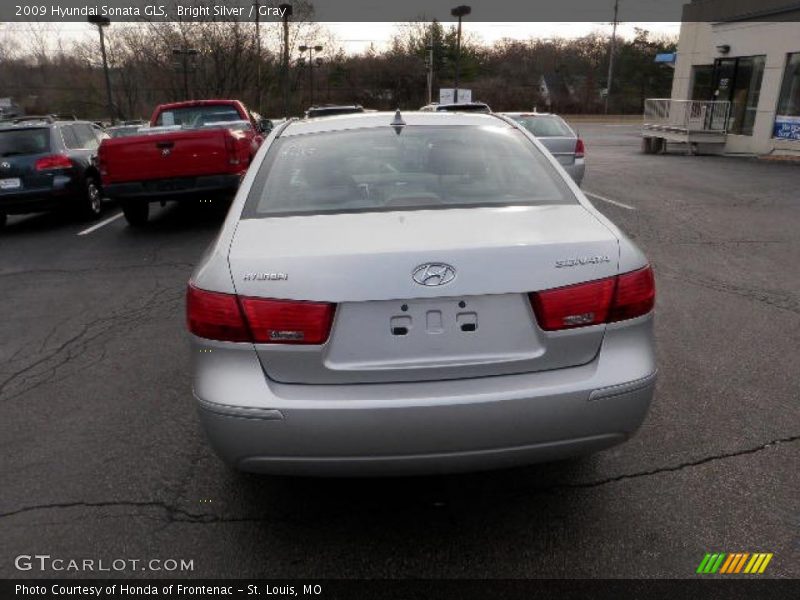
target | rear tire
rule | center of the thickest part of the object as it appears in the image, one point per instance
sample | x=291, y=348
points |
x=647, y=145
x=92, y=201
x=136, y=212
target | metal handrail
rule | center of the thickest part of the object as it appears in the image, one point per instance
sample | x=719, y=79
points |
x=687, y=115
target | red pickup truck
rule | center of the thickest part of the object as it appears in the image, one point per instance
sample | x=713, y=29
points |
x=190, y=150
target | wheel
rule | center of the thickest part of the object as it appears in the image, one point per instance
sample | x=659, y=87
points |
x=647, y=145
x=92, y=202
x=136, y=212
x=3, y=219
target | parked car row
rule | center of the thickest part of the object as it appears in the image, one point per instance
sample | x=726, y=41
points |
x=187, y=150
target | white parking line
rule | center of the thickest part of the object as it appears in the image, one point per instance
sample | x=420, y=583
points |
x=609, y=200
x=97, y=226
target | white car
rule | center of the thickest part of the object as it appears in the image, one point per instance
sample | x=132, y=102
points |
x=416, y=293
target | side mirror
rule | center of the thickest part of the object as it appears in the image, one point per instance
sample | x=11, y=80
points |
x=265, y=126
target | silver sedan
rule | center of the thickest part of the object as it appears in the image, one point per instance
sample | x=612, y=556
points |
x=416, y=293
x=559, y=138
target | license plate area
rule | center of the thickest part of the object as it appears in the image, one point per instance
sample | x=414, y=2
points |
x=433, y=318
x=433, y=332
x=10, y=183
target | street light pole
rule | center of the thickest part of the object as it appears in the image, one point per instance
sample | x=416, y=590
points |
x=611, y=55
x=287, y=12
x=311, y=50
x=184, y=53
x=104, y=22
x=460, y=12
x=430, y=68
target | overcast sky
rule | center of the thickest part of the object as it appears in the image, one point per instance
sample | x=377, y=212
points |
x=356, y=37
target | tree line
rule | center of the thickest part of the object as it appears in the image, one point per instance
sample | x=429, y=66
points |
x=563, y=75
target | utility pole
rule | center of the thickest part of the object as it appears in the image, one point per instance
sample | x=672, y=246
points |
x=102, y=22
x=611, y=55
x=287, y=12
x=460, y=12
x=257, y=6
x=185, y=53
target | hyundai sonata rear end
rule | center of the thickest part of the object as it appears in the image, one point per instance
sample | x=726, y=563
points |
x=416, y=293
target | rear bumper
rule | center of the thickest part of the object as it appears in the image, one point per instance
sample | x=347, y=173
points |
x=431, y=427
x=576, y=170
x=179, y=188
x=20, y=202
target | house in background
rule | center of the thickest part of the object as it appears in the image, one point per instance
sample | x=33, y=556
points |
x=556, y=94
x=728, y=51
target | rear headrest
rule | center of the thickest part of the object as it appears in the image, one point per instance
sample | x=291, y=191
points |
x=454, y=158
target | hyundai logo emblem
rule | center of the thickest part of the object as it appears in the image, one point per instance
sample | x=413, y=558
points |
x=433, y=274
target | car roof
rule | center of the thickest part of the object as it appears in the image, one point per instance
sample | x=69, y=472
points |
x=476, y=103
x=333, y=106
x=530, y=114
x=31, y=125
x=380, y=119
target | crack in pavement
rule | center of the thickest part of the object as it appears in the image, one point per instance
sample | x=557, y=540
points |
x=678, y=467
x=172, y=511
x=781, y=300
x=180, y=515
x=35, y=373
x=96, y=268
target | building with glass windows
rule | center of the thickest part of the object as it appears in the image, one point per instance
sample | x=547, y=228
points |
x=747, y=53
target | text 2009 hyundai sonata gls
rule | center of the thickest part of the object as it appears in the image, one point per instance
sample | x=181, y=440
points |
x=416, y=293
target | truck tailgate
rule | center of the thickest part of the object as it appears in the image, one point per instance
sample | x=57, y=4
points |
x=165, y=155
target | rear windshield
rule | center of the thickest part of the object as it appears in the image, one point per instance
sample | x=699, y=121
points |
x=192, y=117
x=329, y=112
x=126, y=131
x=18, y=142
x=376, y=169
x=545, y=126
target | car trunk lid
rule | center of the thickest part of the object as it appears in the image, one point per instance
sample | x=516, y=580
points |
x=389, y=327
x=562, y=148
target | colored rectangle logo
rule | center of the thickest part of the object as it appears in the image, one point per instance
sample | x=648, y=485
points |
x=733, y=563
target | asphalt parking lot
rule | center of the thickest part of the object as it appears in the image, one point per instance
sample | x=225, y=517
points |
x=103, y=456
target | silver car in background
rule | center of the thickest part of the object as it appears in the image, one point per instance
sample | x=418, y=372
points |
x=417, y=293
x=559, y=138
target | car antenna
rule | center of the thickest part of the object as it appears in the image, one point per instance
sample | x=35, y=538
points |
x=398, y=122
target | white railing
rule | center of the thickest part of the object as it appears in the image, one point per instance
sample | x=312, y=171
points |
x=687, y=115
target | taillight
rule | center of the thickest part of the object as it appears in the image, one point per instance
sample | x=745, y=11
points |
x=54, y=161
x=232, y=147
x=601, y=301
x=288, y=322
x=215, y=316
x=580, y=150
x=574, y=306
x=102, y=164
x=230, y=318
x=635, y=295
